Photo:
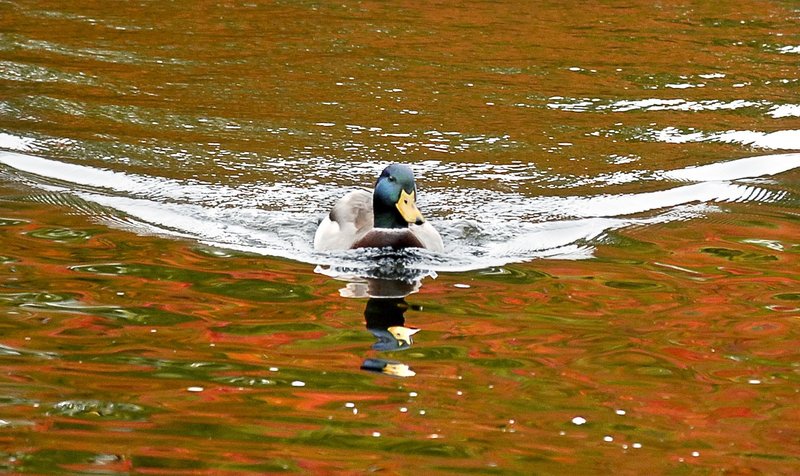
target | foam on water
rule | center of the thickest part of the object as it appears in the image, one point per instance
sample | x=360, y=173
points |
x=492, y=228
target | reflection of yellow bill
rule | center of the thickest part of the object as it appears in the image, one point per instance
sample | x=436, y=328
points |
x=407, y=204
x=403, y=334
x=399, y=370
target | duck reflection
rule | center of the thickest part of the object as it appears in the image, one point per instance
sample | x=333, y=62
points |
x=385, y=319
x=385, y=280
x=388, y=367
x=379, y=288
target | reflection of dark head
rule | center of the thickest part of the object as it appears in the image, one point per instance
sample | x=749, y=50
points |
x=391, y=288
x=385, y=313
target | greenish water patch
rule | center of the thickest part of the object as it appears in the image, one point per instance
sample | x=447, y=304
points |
x=100, y=409
x=438, y=353
x=738, y=255
x=514, y=275
x=332, y=437
x=164, y=463
x=144, y=316
x=260, y=329
x=499, y=363
x=256, y=290
x=35, y=298
x=638, y=285
x=788, y=296
x=11, y=222
x=146, y=271
x=63, y=235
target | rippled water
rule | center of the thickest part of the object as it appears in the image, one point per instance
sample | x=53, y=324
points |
x=505, y=227
x=616, y=186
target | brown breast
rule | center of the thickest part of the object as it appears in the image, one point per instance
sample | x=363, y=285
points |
x=397, y=239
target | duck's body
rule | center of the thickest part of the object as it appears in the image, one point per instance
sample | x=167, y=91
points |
x=387, y=217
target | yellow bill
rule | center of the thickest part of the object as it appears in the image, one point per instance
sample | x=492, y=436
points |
x=398, y=370
x=407, y=204
x=403, y=334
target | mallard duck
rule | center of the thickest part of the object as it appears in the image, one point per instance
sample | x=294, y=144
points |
x=386, y=217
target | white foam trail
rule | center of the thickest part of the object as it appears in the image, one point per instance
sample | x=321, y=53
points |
x=232, y=218
x=777, y=140
x=10, y=141
x=633, y=203
x=749, y=167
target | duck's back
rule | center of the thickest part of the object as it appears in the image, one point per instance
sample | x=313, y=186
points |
x=349, y=220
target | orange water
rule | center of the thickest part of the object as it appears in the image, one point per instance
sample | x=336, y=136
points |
x=662, y=339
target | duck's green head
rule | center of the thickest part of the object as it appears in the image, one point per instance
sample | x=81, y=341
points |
x=394, y=199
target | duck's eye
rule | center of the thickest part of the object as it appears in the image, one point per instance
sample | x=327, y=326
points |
x=392, y=179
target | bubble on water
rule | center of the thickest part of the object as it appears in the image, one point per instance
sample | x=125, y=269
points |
x=579, y=420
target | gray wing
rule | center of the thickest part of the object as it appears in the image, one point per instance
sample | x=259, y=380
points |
x=349, y=220
x=354, y=208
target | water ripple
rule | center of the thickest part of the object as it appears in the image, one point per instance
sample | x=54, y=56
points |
x=486, y=228
x=785, y=139
x=775, y=110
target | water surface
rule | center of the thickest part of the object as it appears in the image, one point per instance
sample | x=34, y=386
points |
x=617, y=187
